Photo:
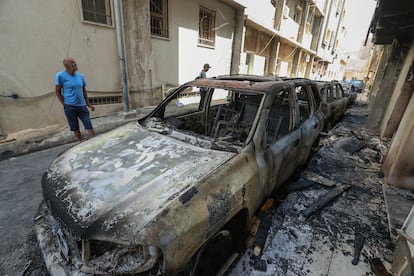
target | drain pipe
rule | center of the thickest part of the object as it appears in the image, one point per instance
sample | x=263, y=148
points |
x=119, y=22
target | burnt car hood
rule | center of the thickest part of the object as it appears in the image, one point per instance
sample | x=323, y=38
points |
x=128, y=172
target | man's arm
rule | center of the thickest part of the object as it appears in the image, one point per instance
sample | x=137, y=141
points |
x=58, y=91
x=85, y=95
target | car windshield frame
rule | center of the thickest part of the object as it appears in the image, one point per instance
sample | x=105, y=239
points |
x=230, y=111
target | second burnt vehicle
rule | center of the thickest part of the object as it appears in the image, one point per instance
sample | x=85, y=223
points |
x=334, y=101
x=177, y=191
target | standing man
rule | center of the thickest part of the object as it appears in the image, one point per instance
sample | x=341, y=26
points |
x=71, y=92
x=203, y=90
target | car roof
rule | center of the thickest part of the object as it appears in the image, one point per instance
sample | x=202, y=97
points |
x=247, y=77
x=258, y=86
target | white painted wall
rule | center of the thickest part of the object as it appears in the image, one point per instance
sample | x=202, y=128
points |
x=262, y=12
x=289, y=28
x=180, y=59
x=320, y=4
x=259, y=65
x=37, y=35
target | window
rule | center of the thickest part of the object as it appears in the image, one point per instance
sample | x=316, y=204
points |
x=97, y=11
x=206, y=28
x=297, y=16
x=304, y=103
x=331, y=40
x=327, y=37
x=278, y=123
x=340, y=91
x=159, y=17
x=309, y=20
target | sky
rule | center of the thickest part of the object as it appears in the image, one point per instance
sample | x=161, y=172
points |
x=357, y=19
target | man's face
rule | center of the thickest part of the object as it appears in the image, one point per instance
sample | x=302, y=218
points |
x=71, y=65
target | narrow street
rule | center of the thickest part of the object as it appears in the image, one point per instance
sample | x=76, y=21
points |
x=20, y=196
x=301, y=240
x=306, y=241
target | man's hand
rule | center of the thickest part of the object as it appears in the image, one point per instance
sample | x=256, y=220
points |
x=91, y=107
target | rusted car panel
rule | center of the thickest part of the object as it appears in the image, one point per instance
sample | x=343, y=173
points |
x=156, y=195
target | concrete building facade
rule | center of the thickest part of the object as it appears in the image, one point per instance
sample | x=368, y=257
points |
x=391, y=102
x=165, y=44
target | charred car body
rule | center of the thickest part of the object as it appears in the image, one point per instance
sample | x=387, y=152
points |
x=334, y=101
x=175, y=192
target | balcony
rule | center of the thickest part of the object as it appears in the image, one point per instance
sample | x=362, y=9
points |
x=289, y=28
x=307, y=40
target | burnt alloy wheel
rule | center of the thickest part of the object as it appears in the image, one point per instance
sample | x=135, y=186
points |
x=213, y=254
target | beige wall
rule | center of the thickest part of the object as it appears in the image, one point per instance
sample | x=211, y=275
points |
x=36, y=36
x=34, y=46
x=179, y=58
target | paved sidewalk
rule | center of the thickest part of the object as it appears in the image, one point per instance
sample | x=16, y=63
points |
x=32, y=140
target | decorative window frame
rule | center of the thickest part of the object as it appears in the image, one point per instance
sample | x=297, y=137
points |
x=162, y=29
x=206, y=27
x=109, y=14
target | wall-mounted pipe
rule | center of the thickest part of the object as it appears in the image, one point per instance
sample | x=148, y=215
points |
x=119, y=22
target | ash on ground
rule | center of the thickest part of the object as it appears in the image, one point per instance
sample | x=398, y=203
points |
x=323, y=242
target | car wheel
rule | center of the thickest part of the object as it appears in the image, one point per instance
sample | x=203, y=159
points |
x=213, y=255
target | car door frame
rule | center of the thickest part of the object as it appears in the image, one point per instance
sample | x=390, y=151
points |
x=311, y=127
x=277, y=160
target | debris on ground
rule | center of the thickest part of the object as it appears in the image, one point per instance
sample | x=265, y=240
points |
x=260, y=227
x=358, y=245
x=317, y=178
x=25, y=269
x=344, y=230
x=325, y=199
x=378, y=267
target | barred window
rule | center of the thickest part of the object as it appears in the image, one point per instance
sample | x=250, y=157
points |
x=97, y=11
x=206, y=28
x=159, y=17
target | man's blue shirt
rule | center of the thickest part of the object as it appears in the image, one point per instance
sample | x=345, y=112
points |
x=72, y=87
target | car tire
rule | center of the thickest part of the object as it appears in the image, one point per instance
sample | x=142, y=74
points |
x=213, y=254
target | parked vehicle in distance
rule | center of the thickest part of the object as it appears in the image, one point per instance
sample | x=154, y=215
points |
x=351, y=95
x=334, y=101
x=356, y=85
x=177, y=191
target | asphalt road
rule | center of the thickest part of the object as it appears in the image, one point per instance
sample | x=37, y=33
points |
x=20, y=196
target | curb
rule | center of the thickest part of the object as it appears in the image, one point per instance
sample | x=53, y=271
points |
x=52, y=139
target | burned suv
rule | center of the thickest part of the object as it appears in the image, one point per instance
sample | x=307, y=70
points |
x=176, y=191
x=334, y=101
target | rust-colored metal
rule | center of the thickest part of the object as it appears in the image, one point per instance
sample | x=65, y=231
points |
x=158, y=190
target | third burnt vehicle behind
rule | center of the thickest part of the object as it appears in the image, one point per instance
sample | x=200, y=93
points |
x=176, y=192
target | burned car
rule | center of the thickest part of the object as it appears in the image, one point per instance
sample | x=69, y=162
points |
x=349, y=92
x=175, y=192
x=334, y=101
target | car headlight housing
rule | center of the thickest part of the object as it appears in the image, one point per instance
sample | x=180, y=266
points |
x=107, y=258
